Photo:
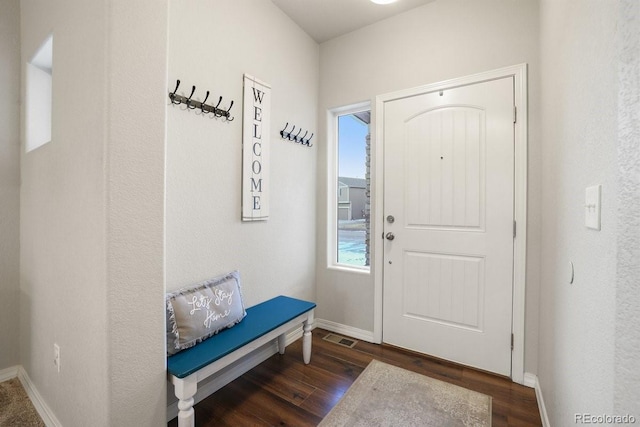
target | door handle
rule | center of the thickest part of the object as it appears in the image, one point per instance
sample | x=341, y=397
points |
x=389, y=236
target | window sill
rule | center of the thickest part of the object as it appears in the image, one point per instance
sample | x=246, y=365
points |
x=350, y=269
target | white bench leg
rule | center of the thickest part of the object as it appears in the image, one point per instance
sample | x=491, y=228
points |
x=306, y=338
x=185, y=389
x=282, y=343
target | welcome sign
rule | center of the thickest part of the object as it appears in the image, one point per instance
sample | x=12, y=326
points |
x=255, y=149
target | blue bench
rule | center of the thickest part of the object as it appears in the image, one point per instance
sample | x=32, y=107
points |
x=263, y=323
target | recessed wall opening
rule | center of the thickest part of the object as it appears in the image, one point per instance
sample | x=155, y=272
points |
x=39, y=85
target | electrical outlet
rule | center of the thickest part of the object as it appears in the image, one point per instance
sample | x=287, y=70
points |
x=56, y=356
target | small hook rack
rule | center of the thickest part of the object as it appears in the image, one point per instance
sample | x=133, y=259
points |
x=300, y=139
x=204, y=108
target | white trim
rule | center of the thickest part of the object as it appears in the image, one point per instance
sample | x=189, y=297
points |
x=377, y=213
x=341, y=329
x=38, y=402
x=332, y=184
x=520, y=216
x=9, y=373
x=530, y=378
x=41, y=406
x=345, y=268
x=233, y=371
x=519, y=73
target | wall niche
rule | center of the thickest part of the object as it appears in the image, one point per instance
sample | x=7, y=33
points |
x=38, y=96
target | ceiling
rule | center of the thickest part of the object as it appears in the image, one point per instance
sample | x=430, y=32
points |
x=326, y=19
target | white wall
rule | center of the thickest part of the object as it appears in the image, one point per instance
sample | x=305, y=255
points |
x=63, y=281
x=135, y=197
x=627, y=362
x=205, y=236
x=91, y=216
x=580, y=136
x=439, y=41
x=9, y=181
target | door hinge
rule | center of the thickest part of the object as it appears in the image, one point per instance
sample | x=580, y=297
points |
x=511, y=342
x=515, y=114
x=514, y=229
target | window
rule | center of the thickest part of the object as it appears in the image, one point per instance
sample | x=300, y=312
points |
x=38, y=94
x=349, y=227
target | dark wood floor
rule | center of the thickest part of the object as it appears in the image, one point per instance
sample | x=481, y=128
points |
x=283, y=391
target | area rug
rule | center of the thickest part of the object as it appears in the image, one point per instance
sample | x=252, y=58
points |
x=16, y=410
x=385, y=395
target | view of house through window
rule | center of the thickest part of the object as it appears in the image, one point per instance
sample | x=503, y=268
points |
x=353, y=199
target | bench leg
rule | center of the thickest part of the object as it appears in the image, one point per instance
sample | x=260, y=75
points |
x=282, y=343
x=185, y=389
x=306, y=339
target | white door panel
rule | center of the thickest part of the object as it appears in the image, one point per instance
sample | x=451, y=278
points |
x=444, y=288
x=448, y=181
x=442, y=154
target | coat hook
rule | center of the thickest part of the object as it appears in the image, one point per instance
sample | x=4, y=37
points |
x=215, y=109
x=188, y=102
x=302, y=137
x=173, y=95
x=203, y=102
x=295, y=138
x=203, y=106
x=290, y=132
x=285, y=128
x=308, y=140
x=230, y=119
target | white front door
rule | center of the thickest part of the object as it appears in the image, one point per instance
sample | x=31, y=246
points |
x=448, y=223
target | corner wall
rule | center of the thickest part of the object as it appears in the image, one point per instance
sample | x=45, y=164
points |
x=136, y=54
x=627, y=362
x=63, y=286
x=580, y=140
x=92, y=214
x=439, y=41
x=9, y=182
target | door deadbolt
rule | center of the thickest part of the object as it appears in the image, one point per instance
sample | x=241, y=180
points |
x=390, y=219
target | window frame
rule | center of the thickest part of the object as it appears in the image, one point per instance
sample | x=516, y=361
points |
x=332, y=186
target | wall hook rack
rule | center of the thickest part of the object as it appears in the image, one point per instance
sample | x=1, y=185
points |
x=303, y=140
x=204, y=108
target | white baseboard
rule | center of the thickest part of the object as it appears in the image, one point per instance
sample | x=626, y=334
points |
x=43, y=410
x=8, y=373
x=233, y=371
x=531, y=380
x=341, y=329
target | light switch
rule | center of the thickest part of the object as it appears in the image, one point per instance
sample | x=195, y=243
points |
x=592, y=207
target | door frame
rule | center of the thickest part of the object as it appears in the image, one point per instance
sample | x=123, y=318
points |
x=519, y=73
